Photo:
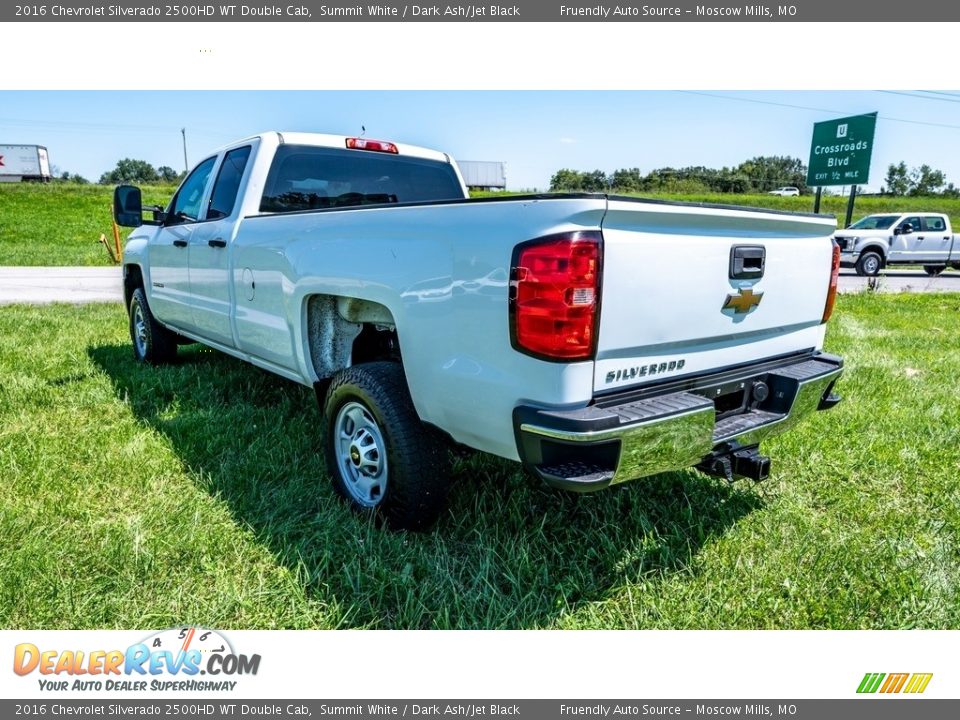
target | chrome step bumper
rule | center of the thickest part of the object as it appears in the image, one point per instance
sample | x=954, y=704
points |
x=611, y=442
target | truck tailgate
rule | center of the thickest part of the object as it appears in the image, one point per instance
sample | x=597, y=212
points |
x=667, y=278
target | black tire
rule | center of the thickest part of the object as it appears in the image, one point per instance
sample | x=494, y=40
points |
x=869, y=264
x=415, y=473
x=152, y=342
x=934, y=270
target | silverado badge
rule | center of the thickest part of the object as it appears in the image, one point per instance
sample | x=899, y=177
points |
x=743, y=302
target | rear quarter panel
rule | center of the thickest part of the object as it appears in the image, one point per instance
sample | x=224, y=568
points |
x=442, y=271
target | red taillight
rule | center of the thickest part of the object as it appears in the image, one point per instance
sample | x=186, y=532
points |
x=374, y=145
x=555, y=296
x=834, y=279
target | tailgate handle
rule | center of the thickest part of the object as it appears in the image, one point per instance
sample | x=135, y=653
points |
x=746, y=262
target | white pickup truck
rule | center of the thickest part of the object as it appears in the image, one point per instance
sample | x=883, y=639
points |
x=557, y=330
x=913, y=238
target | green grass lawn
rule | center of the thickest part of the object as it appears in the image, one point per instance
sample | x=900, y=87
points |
x=148, y=497
x=61, y=224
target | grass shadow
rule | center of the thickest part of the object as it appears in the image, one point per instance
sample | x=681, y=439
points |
x=510, y=553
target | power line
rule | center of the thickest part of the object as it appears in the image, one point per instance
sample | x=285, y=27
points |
x=952, y=99
x=813, y=109
x=938, y=92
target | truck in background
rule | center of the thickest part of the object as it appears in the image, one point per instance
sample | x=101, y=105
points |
x=483, y=174
x=24, y=163
x=910, y=238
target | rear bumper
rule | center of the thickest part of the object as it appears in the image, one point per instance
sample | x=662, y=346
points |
x=634, y=435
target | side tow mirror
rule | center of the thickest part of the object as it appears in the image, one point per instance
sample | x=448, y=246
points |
x=906, y=229
x=128, y=206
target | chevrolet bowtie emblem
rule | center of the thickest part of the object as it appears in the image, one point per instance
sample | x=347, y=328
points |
x=743, y=302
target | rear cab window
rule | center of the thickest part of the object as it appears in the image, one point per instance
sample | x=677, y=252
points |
x=304, y=177
x=933, y=223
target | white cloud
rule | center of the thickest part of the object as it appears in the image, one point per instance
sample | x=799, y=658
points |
x=567, y=140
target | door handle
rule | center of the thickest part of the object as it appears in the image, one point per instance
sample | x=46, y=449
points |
x=746, y=262
x=217, y=242
x=179, y=243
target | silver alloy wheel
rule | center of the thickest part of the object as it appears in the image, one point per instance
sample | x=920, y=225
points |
x=139, y=330
x=871, y=265
x=361, y=454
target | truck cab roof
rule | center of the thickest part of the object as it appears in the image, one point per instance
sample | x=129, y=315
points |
x=337, y=141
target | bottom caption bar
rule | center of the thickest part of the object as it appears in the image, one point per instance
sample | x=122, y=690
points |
x=874, y=708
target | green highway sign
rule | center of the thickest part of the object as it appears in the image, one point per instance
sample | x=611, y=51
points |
x=840, y=151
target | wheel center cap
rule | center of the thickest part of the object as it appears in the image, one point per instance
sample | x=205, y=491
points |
x=355, y=455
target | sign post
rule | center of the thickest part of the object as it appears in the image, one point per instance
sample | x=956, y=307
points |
x=840, y=154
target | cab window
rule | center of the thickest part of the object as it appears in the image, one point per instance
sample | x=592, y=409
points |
x=186, y=203
x=224, y=195
x=932, y=223
x=913, y=222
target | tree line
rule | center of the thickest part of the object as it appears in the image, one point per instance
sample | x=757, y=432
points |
x=759, y=174
x=127, y=171
x=756, y=175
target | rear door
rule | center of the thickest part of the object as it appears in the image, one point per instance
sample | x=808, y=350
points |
x=936, y=238
x=169, y=250
x=210, y=251
x=689, y=289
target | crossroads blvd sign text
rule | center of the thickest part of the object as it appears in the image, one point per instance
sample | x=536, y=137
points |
x=840, y=151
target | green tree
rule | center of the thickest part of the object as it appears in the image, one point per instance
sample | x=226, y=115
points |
x=924, y=180
x=565, y=180
x=168, y=174
x=767, y=172
x=897, y=181
x=130, y=171
x=625, y=180
x=66, y=177
x=595, y=181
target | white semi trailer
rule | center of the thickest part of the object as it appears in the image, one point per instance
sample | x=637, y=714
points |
x=24, y=163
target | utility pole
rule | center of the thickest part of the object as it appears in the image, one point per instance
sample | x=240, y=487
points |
x=183, y=131
x=853, y=196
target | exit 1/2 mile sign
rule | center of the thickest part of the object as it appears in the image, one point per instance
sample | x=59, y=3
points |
x=840, y=151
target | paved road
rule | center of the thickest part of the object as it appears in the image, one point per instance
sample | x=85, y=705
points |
x=40, y=285
x=897, y=280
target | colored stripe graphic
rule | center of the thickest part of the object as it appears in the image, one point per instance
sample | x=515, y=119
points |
x=894, y=683
x=918, y=682
x=870, y=682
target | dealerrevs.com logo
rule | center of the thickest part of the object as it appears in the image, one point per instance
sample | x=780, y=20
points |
x=169, y=660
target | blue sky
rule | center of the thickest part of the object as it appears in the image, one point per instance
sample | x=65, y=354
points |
x=534, y=132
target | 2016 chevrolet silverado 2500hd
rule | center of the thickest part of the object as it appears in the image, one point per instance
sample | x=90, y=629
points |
x=915, y=238
x=554, y=330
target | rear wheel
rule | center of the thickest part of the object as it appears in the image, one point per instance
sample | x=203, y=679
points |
x=380, y=456
x=869, y=263
x=152, y=342
x=934, y=270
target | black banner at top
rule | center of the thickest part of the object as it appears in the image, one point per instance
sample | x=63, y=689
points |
x=505, y=11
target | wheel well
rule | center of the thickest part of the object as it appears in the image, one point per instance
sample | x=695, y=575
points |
x=344, y=331
x=879, y=249
x=132, y=279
